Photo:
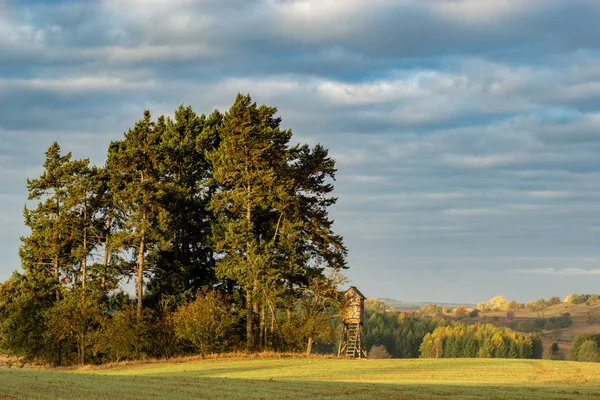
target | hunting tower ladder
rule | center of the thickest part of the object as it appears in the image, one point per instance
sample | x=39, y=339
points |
x=353, y=344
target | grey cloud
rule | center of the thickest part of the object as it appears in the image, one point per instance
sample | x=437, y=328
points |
x=464, y=129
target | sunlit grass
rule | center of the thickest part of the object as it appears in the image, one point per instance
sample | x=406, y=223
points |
x=313, y=378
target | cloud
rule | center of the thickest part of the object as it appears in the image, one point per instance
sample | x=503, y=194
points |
x=491, y=161
x=466, y=212
x=74, y=85
x=465, y=126
x=548, y=194
x=563, y=271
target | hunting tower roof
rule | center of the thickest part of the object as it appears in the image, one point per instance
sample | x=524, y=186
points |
x=354, y=289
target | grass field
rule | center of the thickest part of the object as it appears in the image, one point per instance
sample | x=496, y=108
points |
x=315, y=378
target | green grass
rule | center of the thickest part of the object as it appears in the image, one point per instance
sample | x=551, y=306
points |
x=314, y=378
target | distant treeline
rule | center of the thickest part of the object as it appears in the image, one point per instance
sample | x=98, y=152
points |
x=408, y=305
x=499, y=303
x=538, y=324
x=410, y=336
x=479, y=341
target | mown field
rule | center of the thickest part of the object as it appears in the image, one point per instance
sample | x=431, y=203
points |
x=315, y=378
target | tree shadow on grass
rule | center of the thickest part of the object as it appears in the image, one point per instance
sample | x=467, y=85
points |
x=20, y=384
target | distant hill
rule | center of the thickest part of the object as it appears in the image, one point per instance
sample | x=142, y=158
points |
x=409, y=305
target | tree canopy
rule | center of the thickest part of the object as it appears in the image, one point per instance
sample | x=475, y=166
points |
x=199, y=210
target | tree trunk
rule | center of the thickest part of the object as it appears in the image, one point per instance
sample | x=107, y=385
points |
x=84, y=260
x=263, y=330
x=249, y=291
x=82, y=348
x=56, y=275
x=140, y=278
x=309, y=346
x=249, y=320
x=106, y=253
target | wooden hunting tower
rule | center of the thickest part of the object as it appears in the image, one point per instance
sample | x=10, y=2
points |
x=353, y=316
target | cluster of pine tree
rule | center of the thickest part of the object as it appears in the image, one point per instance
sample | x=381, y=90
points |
x=401, y=335
x=221, y=224
x=479, y=341
x=536, y=325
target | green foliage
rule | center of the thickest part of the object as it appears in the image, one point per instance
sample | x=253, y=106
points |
x=479, y=340
x=71, y=323
x=577, y=298
x=541, y=323
x=552, y=301
x=53, y=247
x=401, y=339
x=182, y=204
x=319, y=304
x=122, y=336
x=186, y=264
x=578, y=343
x=271, y=228
x=206, y=322
x=589, y=351
x=24, y=301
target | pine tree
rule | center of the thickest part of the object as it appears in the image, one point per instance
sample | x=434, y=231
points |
x=53, y=223
x=138, y=193
x=188, y=263
x=245, y=166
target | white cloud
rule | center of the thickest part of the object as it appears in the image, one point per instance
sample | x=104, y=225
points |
x=484, y=162
x=468, y=212
x=366, y=178
x=444, y=195
x=560, y=271
x=548, y=194
x=78, y=84
x=480, y=12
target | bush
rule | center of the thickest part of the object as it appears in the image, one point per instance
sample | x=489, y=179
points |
x=580, y=340
x=589, y=352
x=379, y=352
x=204, y=322
x=554, y=347
x=461, y=312
x=121, y=337
x=547, y=354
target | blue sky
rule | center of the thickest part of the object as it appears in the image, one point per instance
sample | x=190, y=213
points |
x=467, y=132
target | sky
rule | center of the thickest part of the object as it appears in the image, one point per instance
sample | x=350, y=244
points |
x=466, y=132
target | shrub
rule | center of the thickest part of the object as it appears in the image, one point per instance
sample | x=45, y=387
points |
x=589, y=352
x=379, y=352
x=121, y=337
x=204, y=322
x=547, y=354
x=580, y=340
x=461, y=312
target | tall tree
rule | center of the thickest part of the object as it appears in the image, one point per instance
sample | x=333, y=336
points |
x=138, y=194
x=271, y=230
x=188, y=263
x=53, y=223
x=245, y=165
